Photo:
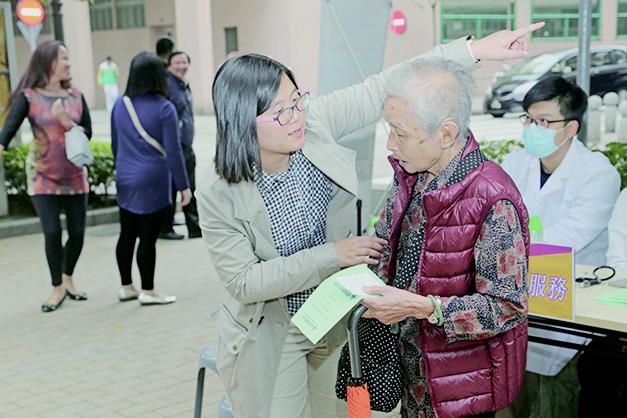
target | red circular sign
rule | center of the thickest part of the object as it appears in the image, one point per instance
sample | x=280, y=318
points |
x=31, y=12
x=398, y=22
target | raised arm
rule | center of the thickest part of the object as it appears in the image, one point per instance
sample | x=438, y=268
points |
x=347, y=110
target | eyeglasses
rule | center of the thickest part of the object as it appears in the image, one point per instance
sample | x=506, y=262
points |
x=286, y=115
x=599, y=274
x=543, y=123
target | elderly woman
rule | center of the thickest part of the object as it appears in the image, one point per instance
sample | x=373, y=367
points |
x=277, y=220
x=456, y=258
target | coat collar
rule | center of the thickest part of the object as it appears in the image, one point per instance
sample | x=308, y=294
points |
x=336, y=162
x=561, y=173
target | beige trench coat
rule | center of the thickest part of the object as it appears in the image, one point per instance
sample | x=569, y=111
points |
x=253, y=319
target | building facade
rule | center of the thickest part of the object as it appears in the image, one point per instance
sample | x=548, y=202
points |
x=289, y=30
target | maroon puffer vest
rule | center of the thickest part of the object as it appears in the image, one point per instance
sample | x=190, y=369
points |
x=467, y=377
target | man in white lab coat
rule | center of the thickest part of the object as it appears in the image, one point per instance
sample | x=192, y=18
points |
x=572, y=190
x=603, y=378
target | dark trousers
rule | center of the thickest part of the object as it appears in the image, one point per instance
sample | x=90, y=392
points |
x=603, y=382
x=146, y=228
x=190, y=211
x=62, y=258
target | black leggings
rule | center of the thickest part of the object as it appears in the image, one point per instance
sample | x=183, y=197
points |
x=62, y=259
x=146, y=228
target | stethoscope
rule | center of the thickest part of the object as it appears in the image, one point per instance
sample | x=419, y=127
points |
x=599, y=275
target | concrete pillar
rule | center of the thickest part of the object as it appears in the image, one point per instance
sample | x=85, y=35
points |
x=621, y=131
x=594, y=121
x=608, y=9
x=77, y=32
x=194, y=35
x=4, y=204
x=610, y=102
x=523, y=13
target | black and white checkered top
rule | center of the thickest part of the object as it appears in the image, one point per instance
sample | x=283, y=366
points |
x=297, y=202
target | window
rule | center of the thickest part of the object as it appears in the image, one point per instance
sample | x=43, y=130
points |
x=101, y=15
x=129, y=13
x=619, y=57
x=601, y=58
x=562, y=18
x=230, y=36
x=621, y=23
x=471, y=17
x=120, y=14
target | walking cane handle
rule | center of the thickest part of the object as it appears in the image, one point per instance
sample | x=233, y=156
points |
x=353, y=340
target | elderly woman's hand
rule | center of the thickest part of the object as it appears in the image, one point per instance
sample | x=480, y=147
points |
x=504, y=44
x=395, y=305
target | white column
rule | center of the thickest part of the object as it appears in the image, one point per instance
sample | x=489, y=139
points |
x=77, y=33
x=194, y=35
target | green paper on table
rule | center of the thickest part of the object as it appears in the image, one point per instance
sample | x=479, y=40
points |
x=332, y=300
x=617, y=297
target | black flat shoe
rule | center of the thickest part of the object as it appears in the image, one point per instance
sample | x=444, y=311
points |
x=78, y=296
x=170, y=235
x=51, y=307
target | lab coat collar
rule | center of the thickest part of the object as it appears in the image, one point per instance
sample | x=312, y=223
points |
x=561, y=173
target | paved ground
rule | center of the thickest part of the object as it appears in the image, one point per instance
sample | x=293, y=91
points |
x=103, y=358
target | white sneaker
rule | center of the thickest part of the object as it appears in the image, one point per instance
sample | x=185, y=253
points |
x=146, y=299
x=125, y=294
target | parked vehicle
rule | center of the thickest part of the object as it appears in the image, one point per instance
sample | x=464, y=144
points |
x=608, y=72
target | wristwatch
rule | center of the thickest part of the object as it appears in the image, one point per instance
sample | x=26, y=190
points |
x=434, y=318
x=469, y=40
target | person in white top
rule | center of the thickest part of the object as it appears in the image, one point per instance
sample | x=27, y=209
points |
x=617, y=251
x=572, y=191
x=603, y=400
x=108, y=75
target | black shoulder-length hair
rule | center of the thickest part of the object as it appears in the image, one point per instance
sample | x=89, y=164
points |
x=146, y=76
x=244, y=87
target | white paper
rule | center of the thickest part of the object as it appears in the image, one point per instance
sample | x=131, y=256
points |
x=355, y=282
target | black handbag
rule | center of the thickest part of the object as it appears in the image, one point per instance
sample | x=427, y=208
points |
x=370, y=356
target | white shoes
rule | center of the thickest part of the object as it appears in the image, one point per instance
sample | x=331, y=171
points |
x=125, y=294
x=146, y=299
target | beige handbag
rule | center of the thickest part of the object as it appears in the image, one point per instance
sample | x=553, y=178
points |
x=131, y=111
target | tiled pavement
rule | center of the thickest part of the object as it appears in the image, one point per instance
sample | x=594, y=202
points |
x=102, y=358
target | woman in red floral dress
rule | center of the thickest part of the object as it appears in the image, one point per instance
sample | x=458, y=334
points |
x=45, y=97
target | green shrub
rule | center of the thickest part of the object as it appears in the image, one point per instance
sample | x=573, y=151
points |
x=15, y=170
x=101, y=173
x=497, y=150
x=616, y=152
x=102, y=170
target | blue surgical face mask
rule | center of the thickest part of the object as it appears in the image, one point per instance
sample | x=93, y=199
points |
x=540, y=142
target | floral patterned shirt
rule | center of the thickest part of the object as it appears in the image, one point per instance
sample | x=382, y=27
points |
x=500, y=301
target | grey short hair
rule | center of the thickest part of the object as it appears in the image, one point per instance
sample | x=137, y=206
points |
x=437, y=89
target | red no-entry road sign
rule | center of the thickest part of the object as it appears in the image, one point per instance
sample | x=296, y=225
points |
x=398, y=22
x=31, y=12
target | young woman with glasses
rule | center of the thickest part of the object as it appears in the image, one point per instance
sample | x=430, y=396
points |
x=277, y=218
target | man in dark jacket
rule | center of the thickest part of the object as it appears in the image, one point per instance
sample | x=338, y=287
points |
x=181, y=96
